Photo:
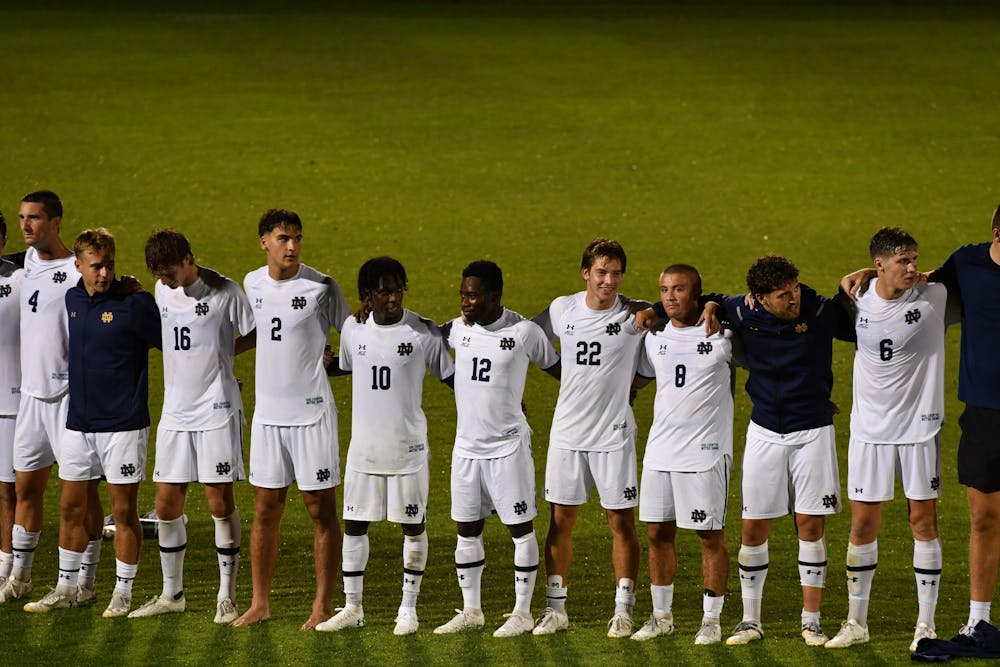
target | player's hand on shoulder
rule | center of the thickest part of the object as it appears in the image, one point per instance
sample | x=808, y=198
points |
x=855, y=284
x=130, y=284
x=362, y=313
x=710, y=319
x=646, y=318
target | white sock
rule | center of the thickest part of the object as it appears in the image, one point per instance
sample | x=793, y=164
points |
x=927, y=560
x=24, y=544
x=525, y=571
x=124, y=576
x=69, y=570
x=862, y=559
x=812, y=563
x=663, y=599
x=88, y=566
x=354, y=553
x=555, y=592
x=978, y=611
x=228, y=535
x=470, y=559
x=711, y=605
x=809, y=617
x=753, y=562
x=173, y=543
x=414, y=563
x=625, y=596
x=6, y=563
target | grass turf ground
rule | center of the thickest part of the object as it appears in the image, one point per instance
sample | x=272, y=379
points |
x=444, y=132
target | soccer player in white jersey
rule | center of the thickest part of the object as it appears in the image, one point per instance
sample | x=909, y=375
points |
x=205, y=319
x=895, y=423
x=592, y=442
x=293, y=435
x=689, y=452
x=49, y=272
x=387, y=477
x=491, y=465
x=10, y=390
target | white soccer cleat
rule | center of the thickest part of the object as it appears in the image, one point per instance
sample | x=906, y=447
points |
x=15, y=589
x=551, y=622
x=351, y=616
x=161, y=604
x=406, y=622
x=744, y=633
x=119, y=606
x=620, y=625
x=54, y=599
x=813, y=635
x=225, y=611
x=851, y=633
x=464, y=620
x=922, y=631
x=516, y=624
x=655, y=627
x=710, y=633
x=85, y=596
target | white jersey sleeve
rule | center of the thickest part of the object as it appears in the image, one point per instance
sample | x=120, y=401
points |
x=491, y=363
x=693, y=411
x=388, y=364
x=10, y=337
x=600, y=350
x=199, y=324
x=293, y=319
x=899, y=366
x=45, y=371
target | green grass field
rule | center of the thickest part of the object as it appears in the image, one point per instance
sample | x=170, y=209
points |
x=442, y=132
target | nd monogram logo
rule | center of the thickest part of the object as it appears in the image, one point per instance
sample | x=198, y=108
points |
x=128, y=470
x=411, y=510
x=506, y=343
x=520, y=507
x=5, y=290
x=802, y=327
x=631, y=493
x=699, y=516
x=223, y=468
x=404, y=349
x=59, y=277
x=830, y=500
x=613, y=329
x=912, y=316
x=201, y=309
x=298, y=302
x=704, y=348
x=936, y=483
x=323, y=475
x=107, y=317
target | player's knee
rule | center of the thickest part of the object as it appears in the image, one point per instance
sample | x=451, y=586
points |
x=661, y=534
x=712, y=540
x=622, y=523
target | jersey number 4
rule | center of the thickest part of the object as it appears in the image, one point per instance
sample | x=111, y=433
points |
x=33, y=302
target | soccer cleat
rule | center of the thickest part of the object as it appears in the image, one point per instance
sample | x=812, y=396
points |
x=655, y=627
x=85, y=596
x=161, y=604
x=119, y=606
x=851, y=633
x=813, y=634
x=922, y=631
x=15, y=589
x=551, y=622
x=54, y=599
x=620, y=625
x=710, y=633
x=472, y=619
x=406, y=622
x=351, y=616
x=225, y=611
x=516, y=624
x=744, y=633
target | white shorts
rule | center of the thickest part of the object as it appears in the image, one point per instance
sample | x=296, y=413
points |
x=780, y=479
x=7, y=424
x=40, y=431
x=504, y=485
x=119, y=456
x=871, y=470
x=695, y=500
x=210, y=457
x=569, y=475
x=397, y=498
x=308, y=455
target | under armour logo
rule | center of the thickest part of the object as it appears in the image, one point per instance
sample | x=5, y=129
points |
x=506, y=343
x=808, y=571
x=748, y=577
x=704, y=348
x=128, y=470
x=520, y=508
x=928, y=582
x=298, y=302
x=59, y=277
x=412, y=510
x=201, y=309
x=830, y=500
x=631, y=493
x=699, y=516
x=862, y=322
x=859, y=491
x=404, y=349
x=613, y=329
x=912, y=316
x=5, y=290
x=323, y=475
x=223, y=468
x=663, y=350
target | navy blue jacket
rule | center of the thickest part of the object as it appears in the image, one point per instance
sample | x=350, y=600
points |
x=790, y=361
x=109, y=339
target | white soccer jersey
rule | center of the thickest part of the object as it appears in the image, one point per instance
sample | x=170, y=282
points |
x=45, y=367
x=899, y=366
x=293, y=319
x=10, y=337
x=693, y=412
x=600, y=353
x=491, y=363
x=388, y=363
x=199, y=325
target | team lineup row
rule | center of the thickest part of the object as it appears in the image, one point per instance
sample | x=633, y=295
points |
x=83, y=402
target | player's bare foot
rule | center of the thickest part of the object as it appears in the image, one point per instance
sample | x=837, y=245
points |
x=314, y=620
x=251, y=616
